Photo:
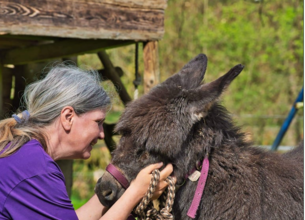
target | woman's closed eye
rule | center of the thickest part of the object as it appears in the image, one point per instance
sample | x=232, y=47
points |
x=100, y=122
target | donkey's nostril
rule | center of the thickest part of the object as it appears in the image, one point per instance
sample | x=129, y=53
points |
x=107, y=194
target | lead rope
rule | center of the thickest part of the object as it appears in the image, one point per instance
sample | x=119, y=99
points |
x=146, y=211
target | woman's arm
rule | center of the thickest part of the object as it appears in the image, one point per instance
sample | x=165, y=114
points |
x=93, y=209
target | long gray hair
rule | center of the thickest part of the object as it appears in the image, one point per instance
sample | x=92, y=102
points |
x=44, y=99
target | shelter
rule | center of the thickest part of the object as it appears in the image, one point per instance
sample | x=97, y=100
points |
x=33, y=31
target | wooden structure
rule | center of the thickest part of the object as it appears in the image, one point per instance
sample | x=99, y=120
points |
x=33, y=31
x=39, y=30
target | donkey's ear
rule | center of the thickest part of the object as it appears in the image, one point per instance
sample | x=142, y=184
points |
x=191, y=75
x=202, y=98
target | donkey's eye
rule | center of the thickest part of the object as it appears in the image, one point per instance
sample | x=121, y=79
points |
x=139, y=152
x=143, y=155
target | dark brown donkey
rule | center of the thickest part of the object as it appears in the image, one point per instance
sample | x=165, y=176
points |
x=181, y=122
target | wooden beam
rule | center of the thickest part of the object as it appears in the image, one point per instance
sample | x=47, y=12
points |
x=7, y=43
x=86, y=19
x=63, y=48
x=114, y=77
x=29, y=37
x=104, y=73
x=151, y=65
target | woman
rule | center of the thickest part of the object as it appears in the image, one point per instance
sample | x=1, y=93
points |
x=64, y=119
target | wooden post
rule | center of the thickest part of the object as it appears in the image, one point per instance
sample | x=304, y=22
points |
x=151, y=65
x=1, y=91
x=114, y=77
x=5, y=91
x=6, y=87
x=66, y=167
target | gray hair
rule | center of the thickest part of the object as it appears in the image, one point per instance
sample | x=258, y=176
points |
x=64, y=86
x=44, y=99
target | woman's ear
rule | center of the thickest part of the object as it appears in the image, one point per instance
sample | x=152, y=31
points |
x=67, y=116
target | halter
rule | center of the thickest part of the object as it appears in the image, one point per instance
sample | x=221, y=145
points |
x=198, y=193
x=117, y=175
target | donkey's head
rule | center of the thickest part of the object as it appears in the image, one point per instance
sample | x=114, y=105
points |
x=174, y=123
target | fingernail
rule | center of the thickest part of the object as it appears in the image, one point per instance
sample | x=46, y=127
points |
x=160, y=164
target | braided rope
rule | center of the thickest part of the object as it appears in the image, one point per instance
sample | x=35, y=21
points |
x=146, y=211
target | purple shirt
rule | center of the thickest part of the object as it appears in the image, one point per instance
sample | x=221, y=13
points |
x=32, y=186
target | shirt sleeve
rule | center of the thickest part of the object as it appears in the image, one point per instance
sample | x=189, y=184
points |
x=40, y=197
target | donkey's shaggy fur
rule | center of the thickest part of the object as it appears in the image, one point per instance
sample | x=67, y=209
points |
x=181, y=122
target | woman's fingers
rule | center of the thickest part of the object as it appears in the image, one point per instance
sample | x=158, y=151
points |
x=152, y=167
x=142, y=181
x=162, y=182
x=166, y=171
x=162, y=185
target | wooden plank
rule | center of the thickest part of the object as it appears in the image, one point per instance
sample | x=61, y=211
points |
x=58, y=49
x=149, y=4
x=151, y=65
x=81, y=19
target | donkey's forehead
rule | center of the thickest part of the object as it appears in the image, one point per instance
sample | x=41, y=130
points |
x=150, y=109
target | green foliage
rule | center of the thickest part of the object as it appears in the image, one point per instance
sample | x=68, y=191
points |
x=267, y=44
x=267, y=38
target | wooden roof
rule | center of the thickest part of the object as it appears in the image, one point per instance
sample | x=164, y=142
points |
x=35, y=30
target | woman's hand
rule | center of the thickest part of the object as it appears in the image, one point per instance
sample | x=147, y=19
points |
x=142, y=181
x=137, y=189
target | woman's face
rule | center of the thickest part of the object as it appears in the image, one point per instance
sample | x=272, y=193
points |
x=87, y=128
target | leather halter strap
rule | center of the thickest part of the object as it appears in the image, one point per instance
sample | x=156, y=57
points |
x=199, y=190
x=117, y=175
x=121, y=179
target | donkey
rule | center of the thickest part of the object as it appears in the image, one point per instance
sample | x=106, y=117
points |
x=180, y=121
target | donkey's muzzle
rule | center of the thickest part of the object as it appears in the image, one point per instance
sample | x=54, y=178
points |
x=108, y=190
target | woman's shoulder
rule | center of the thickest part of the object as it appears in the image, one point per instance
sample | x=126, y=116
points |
x=29, y=163
x=30, y=160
